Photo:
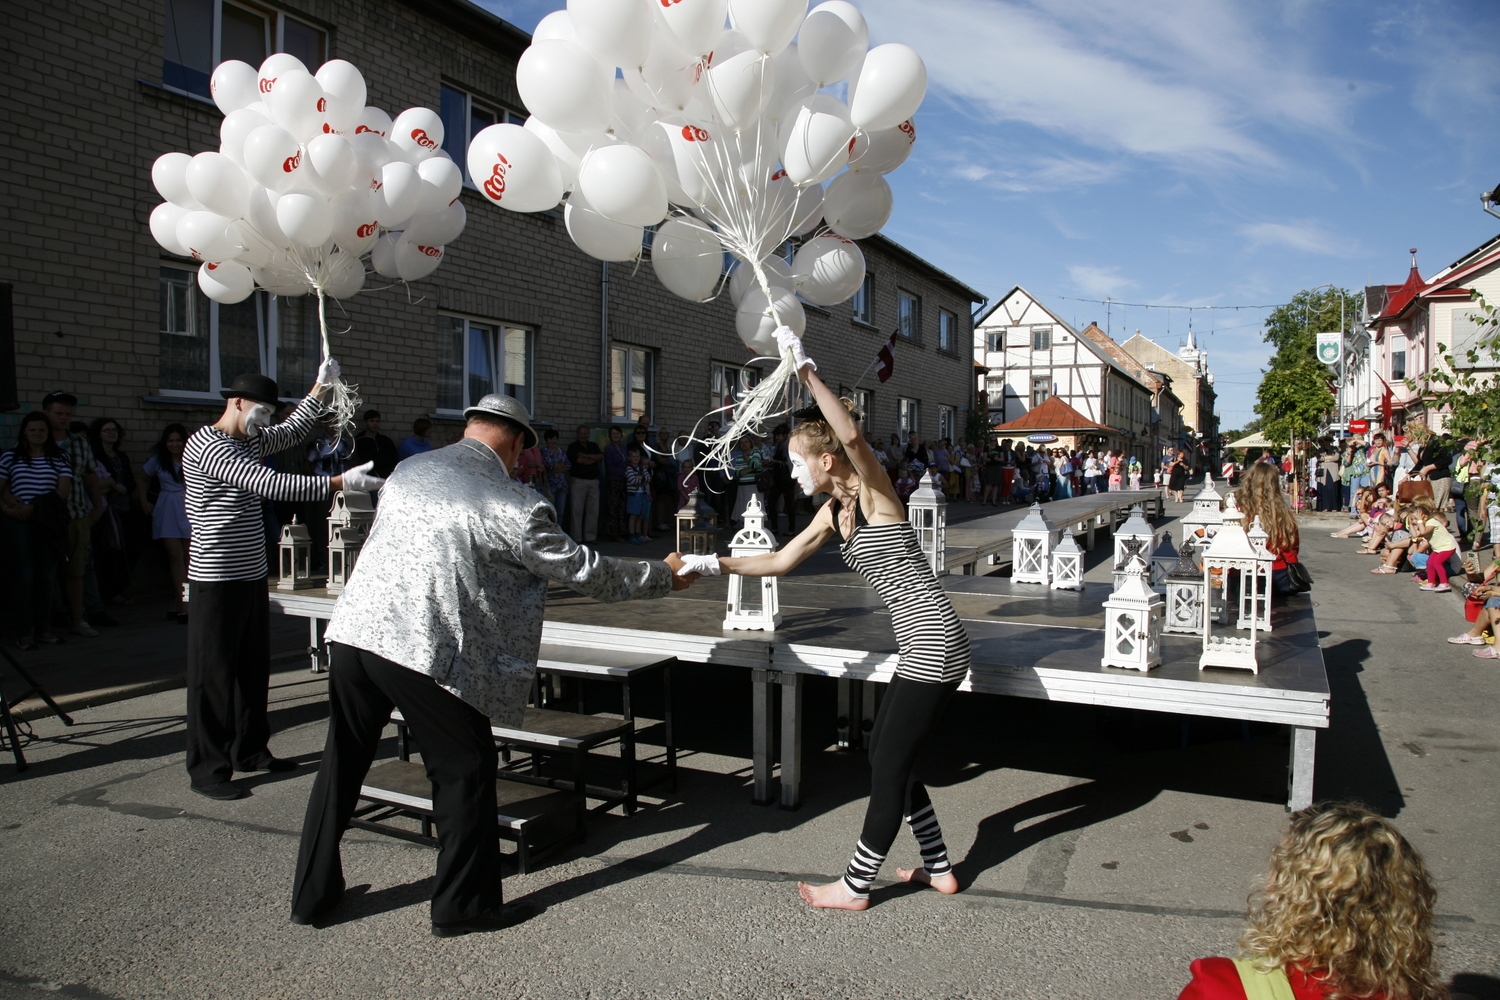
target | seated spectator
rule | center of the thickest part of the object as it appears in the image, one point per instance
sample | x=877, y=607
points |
x=36, y=479
x=1484, y=592
x=169, y=522
x=1260, y=496
x=1364, y=506
x=1432, y=526
x=1346, y=911
x=419, y=441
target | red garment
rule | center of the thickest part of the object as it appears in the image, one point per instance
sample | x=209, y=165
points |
x=1218, y=979
x=1282, y=558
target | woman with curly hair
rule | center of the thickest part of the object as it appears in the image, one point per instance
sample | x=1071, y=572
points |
x=1345, y=912
x=1260, y=496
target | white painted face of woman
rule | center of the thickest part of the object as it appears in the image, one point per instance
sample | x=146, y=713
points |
x=256, y=417
x=802, y=474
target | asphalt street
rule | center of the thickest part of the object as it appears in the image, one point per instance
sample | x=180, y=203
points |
x=1101, y=851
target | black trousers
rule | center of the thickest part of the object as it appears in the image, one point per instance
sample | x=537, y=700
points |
x=783, y=498
x=461, y=762
x=228, y=674
x=909, y=714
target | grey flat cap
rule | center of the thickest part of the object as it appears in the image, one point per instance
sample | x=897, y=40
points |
x=508, y=408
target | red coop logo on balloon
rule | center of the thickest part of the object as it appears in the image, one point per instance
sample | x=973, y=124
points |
x=322, y=104
x=214, y=266
x=778, y=175
x=909, y=130
x=267, y=84
x=430, y=251
x=494, y=184
x=291, y=162
x=367, y=230
x=421, y=138
x=692, y=133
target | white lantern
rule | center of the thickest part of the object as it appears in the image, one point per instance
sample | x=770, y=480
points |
x=1164, y=560
x=1135, y=537
x=1255, y=602
x=927, y=509
x=1067, y=564
x=1200, y=524
x=752, y=610
x=1132, y=621
x=1186, y=610
x=1230, y=552
x=697, y=532
x=349, y=524
x=294, y=563
x=1031, y=542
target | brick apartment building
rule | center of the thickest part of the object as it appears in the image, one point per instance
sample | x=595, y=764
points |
x=96, y=91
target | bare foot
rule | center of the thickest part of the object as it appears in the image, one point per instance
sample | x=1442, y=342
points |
x=833, y=896
x=945, y=884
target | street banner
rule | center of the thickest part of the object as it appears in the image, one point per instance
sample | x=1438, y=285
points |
x=1330, y=348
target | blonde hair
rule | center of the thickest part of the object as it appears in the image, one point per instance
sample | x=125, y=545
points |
x=1260, y=496
x=817, y=436
x=1349, y=901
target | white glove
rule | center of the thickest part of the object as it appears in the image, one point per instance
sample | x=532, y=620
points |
x=788, y=342
x=361, y=478
x=328, y=372
x=702, y=565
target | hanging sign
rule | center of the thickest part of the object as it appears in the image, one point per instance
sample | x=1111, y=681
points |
x=1330, y=347
x=1358, y=426
x=1041, y=438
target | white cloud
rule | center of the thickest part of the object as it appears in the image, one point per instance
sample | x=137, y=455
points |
x=1102, y=282
x=1307, y=237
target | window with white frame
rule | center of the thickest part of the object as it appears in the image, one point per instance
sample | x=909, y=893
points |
x=908, y=315
x=994, y=388
x=465, y=116
x=727, y=383
x=199, y=34
x=630, y=382
x=1041, y=338
x=477, y=357
x=947, y=330
x=995, y=340
x=908, y=418
x=203, y=345
x=864, y=402
x=948, y=422
x=1041, y=390
x=862, y=300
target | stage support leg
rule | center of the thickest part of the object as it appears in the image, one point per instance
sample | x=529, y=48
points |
x=1304, y=744
x=760, y=724
x=791, y=739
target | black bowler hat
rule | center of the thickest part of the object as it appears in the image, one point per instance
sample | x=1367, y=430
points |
x=256, y=387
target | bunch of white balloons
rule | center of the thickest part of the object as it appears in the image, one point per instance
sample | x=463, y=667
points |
x=724, y=128
x=307, y=181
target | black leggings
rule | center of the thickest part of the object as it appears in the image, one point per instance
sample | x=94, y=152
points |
x=909, y=713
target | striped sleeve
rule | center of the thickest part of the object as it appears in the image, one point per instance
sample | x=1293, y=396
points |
x=290, y=432
x=229, y=466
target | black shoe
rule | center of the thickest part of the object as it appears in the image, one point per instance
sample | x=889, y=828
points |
x=510, y=914
x=224, y=791
x=320, y=911
x=101, y=620
x=271, y=764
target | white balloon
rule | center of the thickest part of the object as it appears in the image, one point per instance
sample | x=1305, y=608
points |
x=623, y=185
x=164, y=220
x=832, y=42
x=355, y=221
x=756, y=324
x=558, y=24
x=699, y=168
x=232, y=85
x=273, y=158
x=262, y=217
x=345, y=86
x=515, y=169
x=739, y=89
x=226, y=281
x=273, y=69
x=817, y=136
x=597, y=236
x=892, y=84
x=305, y=216
x=373, y=151
x=237, y=125
x=885, y=150
x=218, y=184
x=809, y=209
x=688, y=258
x=255, y=251
x=696, y=23
x=828, y=270
x=169, y=175
x=417, y=132
x=383, y=255
x=629, y=116
x=297, y=104
x=439, y=228
x=441, y=181
x=793, y=85
x=333, y=163
x=658, y=146
x=616, y=32
x=666, y=80
x=742, y=278
x=568, y=147
x=374, y=120
x=729, y=44
x=205, y=236
x=415, y=261
x=343, y=275
x=858, y=204
x=399, y=194
x=770, y=25
x=564, y=86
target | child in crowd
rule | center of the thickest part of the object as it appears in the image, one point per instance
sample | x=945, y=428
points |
x=637, y=493
x=906, y=483
x=1433, y=526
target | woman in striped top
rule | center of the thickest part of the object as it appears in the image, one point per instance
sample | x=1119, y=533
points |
x=829, y=455
x=35, y=481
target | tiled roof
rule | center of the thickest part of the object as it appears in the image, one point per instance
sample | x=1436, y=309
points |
x=1052, y=415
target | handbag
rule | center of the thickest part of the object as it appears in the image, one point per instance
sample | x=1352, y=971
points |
x=1298, y=576
x=1410, y=489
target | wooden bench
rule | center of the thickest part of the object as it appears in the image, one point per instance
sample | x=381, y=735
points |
x=536, y=820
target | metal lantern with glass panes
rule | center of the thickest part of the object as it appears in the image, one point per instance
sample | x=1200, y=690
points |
x=294, y=557
x=1183, y=589
x=349, y=524
x=1164, y=560
x=1031, y=545
x=1258, y=605
x=1229, y=553
x=1133, y=620
x=1135, y=537
x=1200, y=524
x=697, y=531
x=927, y=509
x=757, y=607
x=1067, y=564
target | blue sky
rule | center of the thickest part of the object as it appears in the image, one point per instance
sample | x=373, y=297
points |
x=1190, y=152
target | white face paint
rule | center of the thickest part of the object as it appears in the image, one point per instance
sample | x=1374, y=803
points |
x=256, y=417
x=802, y=474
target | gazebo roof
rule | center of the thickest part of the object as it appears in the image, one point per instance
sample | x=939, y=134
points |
x=1054, y=416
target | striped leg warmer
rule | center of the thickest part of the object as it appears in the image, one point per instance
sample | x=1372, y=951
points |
x=924, y=826
x=863, y=868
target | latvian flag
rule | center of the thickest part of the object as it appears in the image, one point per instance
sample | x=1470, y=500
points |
x=885, y=361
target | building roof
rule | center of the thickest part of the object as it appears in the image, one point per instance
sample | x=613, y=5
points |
x=1053, y=415
x=1150, y=379
x=1088, y=342
x=890, y=246
x=475, y=22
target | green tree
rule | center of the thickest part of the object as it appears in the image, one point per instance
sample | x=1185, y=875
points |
x=1295, y=392
x=1290, y=328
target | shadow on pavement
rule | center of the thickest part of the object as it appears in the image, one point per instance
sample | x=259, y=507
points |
x=1352, y=762
x=1476, y=984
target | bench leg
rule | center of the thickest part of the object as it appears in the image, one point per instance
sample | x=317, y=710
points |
x=848, y=724
x=867, y=703
x=666, y=700
x=317, y=652
x=1304, y=745
x=627, y=748
x=791, y=740
x=760, y=726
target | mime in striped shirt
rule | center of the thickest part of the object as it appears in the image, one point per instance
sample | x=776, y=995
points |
x=228, y=654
